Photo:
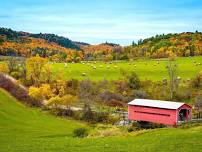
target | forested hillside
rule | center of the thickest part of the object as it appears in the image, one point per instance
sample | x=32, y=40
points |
x=159, y=46
x=14, y=43
x=183, y=44
x=65, y=42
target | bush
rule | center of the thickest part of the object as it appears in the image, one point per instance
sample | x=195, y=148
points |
x=80, y=132
x=62, y=112
x=87, y=114
x=111, y=98
x=182, y=95
x=15, y=74
x=17, y=90
x=130, y=129
x=196, y=81
x=101, y=117
x=133, y=81
x=140, y=94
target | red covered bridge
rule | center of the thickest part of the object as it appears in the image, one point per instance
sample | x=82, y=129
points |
x=157, y=111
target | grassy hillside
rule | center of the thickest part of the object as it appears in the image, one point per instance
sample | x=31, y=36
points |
x=146, y=69
x=27, y=129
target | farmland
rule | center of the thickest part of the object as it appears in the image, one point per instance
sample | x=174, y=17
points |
x=29, y=129
x=145, y=69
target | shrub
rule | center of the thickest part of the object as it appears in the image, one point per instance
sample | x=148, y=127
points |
x=80, y=132
x=140, y=94
x=101, y=117
x=107, y=96
x=4, y=68
x=196, y=81
x=62, y=112
x=87, y=114
x=130, y=129
x=17, y=90
x=115, y=103
x=15, y=74
x=133, y=81
x=198, y=102
x=182, y=95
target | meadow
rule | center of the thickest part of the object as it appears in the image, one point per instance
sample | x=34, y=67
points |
x=25, y=129
x=149, y=69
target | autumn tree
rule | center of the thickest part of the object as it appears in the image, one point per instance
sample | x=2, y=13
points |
x=34, y=66
x=41, y=93
x=67, y=101
x=47, y=74
x=4, y=68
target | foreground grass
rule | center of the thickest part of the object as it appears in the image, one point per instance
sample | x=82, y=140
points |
x=144, y=68
x=25, y=129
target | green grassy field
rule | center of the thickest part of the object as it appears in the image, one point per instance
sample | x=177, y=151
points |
x=24, y=129
x=144, y=68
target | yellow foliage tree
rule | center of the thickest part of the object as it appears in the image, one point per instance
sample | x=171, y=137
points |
x=4, y=68
x=42, y=93
x=34, y=66
x=35, y=93
x=67, y=100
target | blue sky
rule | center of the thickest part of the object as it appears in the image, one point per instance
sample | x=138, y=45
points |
x=97, y=21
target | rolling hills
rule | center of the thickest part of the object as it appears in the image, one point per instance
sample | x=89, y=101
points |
x=159, y=46
x=13, y=43
x=29, y=129
x=25, y=44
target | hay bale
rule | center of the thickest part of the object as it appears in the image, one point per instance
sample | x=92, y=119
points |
x=83, y=74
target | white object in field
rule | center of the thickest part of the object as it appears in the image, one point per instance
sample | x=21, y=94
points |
x=83, y=74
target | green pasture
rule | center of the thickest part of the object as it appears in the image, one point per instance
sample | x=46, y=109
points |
x=150, y=69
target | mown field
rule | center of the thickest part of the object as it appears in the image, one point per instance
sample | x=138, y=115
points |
x=146, y=69
x=25, y=129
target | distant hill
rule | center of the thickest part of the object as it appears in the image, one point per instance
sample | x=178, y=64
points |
x=80, y=44
x=62, y=41
x=159, y=46
x=182, y=44
x=13, y=43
